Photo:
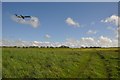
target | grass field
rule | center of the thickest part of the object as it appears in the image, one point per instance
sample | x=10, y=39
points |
x=60, y=63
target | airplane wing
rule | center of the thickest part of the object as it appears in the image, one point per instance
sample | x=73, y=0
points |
x=27, y=16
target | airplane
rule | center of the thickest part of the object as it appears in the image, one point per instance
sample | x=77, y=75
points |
x=21, y=16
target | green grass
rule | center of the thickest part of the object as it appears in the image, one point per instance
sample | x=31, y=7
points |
x=59, y=63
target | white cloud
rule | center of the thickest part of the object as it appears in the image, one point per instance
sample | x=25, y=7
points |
x=47, y=36
x=72, y=43
x=35, y=43
x=91, y=32
x=71, y=22
x=115, y=43
x=112, y=19
x=104, y=41
x=114, y=30
x=88, y=41
x=0, y=42
x=34, y=21
x=101, y=41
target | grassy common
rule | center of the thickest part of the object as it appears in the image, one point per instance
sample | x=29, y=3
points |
x=60, y=63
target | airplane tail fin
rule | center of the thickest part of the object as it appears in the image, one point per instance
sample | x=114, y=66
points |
x=15, y=14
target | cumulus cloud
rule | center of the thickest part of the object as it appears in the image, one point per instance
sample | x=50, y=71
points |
x=33, y=21
x=101, y=41
x=72, y=43
x=88, y=41
x=105, y=41
x=71, y=22
x=35, y=43
x=112, y=19
x=0, y=42
x=47, y=36
x=91, y=32
x=115, y=43
x=114, y=30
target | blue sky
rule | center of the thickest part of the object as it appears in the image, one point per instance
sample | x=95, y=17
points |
x=53, y=17
x=61, y=0
x=0, y=21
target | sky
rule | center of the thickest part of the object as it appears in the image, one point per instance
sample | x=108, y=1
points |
x=69, y=23
x=61, y=0
x=0, y=20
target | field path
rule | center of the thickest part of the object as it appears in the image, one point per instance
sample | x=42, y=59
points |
x=87, y=64
x=105, y=62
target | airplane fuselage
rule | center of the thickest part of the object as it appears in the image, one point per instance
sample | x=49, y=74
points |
x=20, y=16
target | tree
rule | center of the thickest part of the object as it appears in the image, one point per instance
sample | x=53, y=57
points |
x=63, y=46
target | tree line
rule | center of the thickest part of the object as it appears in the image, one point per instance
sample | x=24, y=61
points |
x=63, y=46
